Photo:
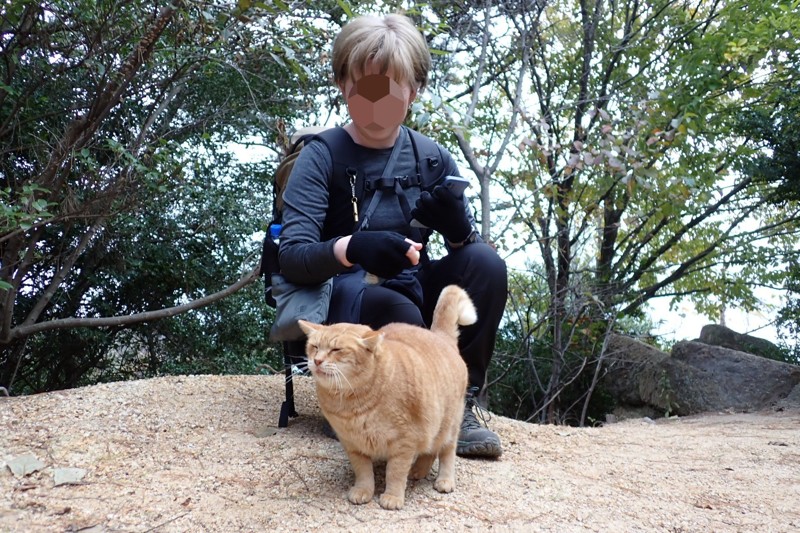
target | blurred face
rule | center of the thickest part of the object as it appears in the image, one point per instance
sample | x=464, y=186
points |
x=377, y=105
x=377, y=102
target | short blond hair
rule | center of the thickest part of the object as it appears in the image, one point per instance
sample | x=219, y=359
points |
x=391, y=42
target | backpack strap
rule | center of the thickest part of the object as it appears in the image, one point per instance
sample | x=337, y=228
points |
x=339, y=146
x=431, y=165
x=376, y=184
x=387, y=180
x=345, y=186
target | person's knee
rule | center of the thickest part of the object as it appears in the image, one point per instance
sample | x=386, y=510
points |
x=491, y=258
x=381, y=306
x=482, y=262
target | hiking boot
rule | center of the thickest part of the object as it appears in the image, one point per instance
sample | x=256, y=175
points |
x=475, y=440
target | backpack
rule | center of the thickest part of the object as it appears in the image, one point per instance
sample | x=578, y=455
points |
x=429, y=172
x=269, y=251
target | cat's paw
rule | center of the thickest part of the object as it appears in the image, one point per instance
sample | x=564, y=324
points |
x=391, y=502
x=444, y=485
x=360, y=495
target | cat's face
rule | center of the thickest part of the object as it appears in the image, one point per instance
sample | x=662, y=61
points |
x=338, y=353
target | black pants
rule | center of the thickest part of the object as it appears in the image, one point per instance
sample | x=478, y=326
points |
x=477, y=269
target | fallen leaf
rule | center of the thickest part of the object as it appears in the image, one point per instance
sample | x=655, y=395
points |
x=24, y=465
x=68, y=476
x=87, y=529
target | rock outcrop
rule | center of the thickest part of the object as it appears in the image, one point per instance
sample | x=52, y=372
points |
x=696, y=378
x=717, y=335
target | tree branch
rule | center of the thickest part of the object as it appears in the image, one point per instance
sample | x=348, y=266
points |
x=59, y=277
x=126, y=320
x=81, y=130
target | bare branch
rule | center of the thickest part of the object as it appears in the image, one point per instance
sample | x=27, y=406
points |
x=59, y=277
x=126, y=320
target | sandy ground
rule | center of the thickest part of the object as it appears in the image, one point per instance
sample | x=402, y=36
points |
x=203, y=453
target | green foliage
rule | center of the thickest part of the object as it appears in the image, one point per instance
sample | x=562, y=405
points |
x=21, y=211
x=228, y=337
x=625, y=175
x=788, y=322
x=224, y=338
x=120, y=192
x=514, y=373
x=520, y=373
x=625, y=150
x=790, y=353
x=774, y=128
x=523, y=365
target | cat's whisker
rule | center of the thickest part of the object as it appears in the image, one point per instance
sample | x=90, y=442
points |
x=349, y=385
x=338, y=378
x=340, y=381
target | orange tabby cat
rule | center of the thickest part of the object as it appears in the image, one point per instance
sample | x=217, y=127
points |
x=396, y=394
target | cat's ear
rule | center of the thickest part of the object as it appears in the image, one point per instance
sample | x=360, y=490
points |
x=308, y=327
x=372, y=340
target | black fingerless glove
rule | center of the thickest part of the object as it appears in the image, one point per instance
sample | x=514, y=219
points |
x=382, y=253
x=444, y=212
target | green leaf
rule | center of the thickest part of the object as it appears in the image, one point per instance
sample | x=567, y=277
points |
x=277, y=59
x=40, y=205
x=345, y=5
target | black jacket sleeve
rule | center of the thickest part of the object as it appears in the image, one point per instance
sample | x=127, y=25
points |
x=303, y=257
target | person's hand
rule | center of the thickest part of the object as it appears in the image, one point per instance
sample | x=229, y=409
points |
x=383, y=253
x=444, y=212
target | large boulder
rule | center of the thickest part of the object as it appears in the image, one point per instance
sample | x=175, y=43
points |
x=745, y=381
x=695, y=378
x=717, y=335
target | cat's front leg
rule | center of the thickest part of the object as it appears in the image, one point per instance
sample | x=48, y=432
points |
x=446, y=480
x=397, y=469
x=364, y=487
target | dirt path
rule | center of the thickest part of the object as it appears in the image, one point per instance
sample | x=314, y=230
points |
x=204, y=454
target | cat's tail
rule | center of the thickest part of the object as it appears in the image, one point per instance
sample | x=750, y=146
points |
x=454, y=308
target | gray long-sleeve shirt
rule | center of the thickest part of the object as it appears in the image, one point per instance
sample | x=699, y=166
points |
x=304, y=256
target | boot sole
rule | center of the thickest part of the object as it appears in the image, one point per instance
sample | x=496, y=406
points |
x=490, y=450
